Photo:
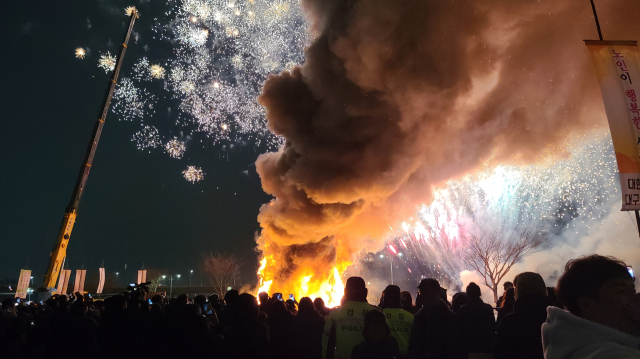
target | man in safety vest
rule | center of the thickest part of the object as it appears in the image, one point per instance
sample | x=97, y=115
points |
x=343, y=327
x=400, y=321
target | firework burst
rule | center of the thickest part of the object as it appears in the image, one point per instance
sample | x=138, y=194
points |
x=80, y=53
x=175, y=148
x=193, y=174
x=157, y=71
x=107, y=62
x=131, y=10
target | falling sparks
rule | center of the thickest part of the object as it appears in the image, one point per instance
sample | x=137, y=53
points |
x=146, y=138
x=80, y=53
x=193, y=174
x=175, y=148
x=157, y=71
x=107, y=62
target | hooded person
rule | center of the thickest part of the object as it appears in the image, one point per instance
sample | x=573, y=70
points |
x=344, y=325
x=603, y=312
x=379, y=343
x=519, y=332
x=435, y=332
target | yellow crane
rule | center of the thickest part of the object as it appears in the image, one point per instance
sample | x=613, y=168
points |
x=60, y=249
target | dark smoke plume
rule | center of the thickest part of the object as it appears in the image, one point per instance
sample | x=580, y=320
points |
x=397, y=96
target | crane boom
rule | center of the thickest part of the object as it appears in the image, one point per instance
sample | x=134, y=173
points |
x=60, y=249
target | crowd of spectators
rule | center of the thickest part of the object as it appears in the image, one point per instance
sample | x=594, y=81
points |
x=593, y=312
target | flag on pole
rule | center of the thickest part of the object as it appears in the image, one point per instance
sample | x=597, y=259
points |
x=23, y=283
x=63, y=281
x=616, y=64
x=101, y=283
x=79, y=283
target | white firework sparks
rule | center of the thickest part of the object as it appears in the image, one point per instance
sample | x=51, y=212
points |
x=147, y=137
x=157, y=71
x=132, y=102
x=175, y=148
x=193, y=174
x=80, y=53
x=222, y=54
x=107, y=62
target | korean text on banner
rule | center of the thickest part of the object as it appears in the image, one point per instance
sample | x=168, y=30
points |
x=23, y=283
x=616, y=64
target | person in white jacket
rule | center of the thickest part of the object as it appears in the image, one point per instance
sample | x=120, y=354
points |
x=603, y=317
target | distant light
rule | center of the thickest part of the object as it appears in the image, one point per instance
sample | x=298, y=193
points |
x=381, y=256
x=194, y=19
x=117, y=273
x=400, y=254
x=192, y=271
x=178, y=275
x=164, y=276
x=229, y=288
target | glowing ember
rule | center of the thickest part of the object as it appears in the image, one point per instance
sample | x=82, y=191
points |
x=193, y=174
x=157, y=71
x=107, y=62
x=131, y=10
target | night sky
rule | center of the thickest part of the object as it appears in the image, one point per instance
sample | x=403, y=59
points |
x=137, y=208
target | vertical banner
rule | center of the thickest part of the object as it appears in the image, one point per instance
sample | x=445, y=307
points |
x=79, y=283
x=23, y=283
x=101, y=283
x=142, y=276
x=63, y=281
x=616, y=64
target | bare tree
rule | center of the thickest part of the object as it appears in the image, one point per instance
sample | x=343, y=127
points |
x=492, y=255
x=221, y=269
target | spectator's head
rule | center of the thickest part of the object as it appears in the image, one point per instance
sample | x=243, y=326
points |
x=376, y=328
x=214, y=298
x=473, y=291
x=264, y=298
x=406, y=299
x=458, y=300
x=529, y=284
x=318, y=303
x=507, y=285
x=509, y=298
x=291, y=305
x=355, y=290
x=600, y=289
x=231, y=297
x=156, y=299
x=429, y=291
x=183, y=299
x=248, y=308
x=306, y=305
x=392, y=296
x=553, y=299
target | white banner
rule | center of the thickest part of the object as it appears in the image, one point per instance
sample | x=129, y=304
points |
x=63, y=281
x=23, y=283
x=616, y=64
x=101, y=283
x=142, y=276
x=79, y=283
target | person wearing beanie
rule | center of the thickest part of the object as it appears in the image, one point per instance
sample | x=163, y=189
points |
x=344, y=325
x=378, y=341
x=477, y=321
x=400, y=321
x=518, y=334
x=435, y=332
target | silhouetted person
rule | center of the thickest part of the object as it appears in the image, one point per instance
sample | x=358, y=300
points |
x=399, y=320
x=435, y=333
x=477, y=322
x=378, y=342
x=322, y=309
x=343, y=327
x=247, y=338
x=406, y=302
x=519, y=332
x=458, y=300
x=553, y=299
x=264, y=303
x=280, y=323
x=603, y=318
x=507, y=304
x=306, y=331
x=506, y=286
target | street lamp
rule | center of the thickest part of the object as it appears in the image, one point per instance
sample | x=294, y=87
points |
x=171, y=285
x=29, y=290
x=190, y=276
x=117, y=273
x=31, y=280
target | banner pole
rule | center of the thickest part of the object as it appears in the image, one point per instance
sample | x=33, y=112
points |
x=638, y=221
x=595, y=15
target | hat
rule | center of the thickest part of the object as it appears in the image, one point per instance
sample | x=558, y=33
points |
x=355, y=284
x=530, y=283
x=429, y=284
x=392, y=290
